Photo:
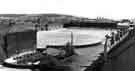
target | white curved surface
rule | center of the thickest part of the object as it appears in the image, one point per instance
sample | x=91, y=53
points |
x=62, y=36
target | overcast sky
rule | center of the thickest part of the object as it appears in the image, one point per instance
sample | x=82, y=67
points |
x=86, y=8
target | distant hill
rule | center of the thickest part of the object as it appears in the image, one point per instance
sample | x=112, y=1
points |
x=51, y=18
x=11, y=15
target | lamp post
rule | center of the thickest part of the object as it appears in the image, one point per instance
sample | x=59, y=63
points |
x=71, y=38
x=69, y=46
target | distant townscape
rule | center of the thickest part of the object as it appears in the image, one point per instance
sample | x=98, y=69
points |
x=28, y=21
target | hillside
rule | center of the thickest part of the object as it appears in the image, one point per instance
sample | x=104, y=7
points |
x=50, y=18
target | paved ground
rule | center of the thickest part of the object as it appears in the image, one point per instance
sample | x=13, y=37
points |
x=85, y=58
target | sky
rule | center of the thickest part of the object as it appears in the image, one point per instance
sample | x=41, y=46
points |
x=113, y=9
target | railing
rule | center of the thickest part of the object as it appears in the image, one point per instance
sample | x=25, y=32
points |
x=122, y=35
x=115, y=38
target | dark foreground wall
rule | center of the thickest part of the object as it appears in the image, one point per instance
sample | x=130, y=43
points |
x=20, y=41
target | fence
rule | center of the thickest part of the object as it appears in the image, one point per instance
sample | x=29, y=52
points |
x=115, y=38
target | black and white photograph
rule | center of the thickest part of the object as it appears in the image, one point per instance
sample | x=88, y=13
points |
x=67, y=35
